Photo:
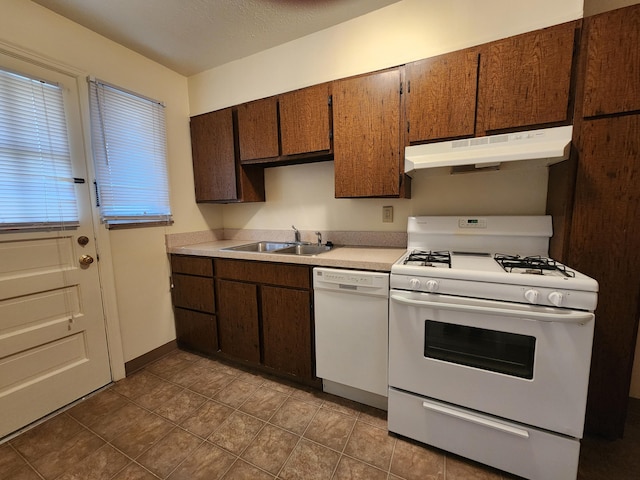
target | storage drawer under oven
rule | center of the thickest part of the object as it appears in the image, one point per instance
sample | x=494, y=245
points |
x=508, y=446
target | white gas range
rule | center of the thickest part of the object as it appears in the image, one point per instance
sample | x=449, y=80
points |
x=490, y=344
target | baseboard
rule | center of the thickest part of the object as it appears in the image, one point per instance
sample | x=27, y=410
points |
x=142, y=361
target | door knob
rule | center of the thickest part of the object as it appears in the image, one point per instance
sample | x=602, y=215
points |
x=86, y=260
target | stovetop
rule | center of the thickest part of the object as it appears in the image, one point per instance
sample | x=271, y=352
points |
x=493, y=257
x=529, y=265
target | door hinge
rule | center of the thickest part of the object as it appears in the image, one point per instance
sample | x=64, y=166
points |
x=330, y=100
x=408, y=126
x=400, y=88
x=408, y=86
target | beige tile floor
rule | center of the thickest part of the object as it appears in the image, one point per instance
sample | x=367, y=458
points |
x=187, y=418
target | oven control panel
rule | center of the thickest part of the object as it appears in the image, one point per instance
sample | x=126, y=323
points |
x=472, y=222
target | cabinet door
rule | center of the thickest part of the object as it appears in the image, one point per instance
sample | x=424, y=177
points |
x=525, y=80
x=612, y=80
x=366, y=124
x=441, y=96
x=217, y=175
x=214, y=163
x=605, y=244
x=196, y=331
x=305, y=121
x=258, y=129
x=238, y=324
x=286, y=324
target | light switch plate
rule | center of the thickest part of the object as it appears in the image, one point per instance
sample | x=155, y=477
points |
x=387, y=214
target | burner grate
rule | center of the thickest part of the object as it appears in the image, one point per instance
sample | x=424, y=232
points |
x=428, y=258
x=536, y=265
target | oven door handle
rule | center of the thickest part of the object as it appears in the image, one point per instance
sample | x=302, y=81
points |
x=467, y=417
x=569, y=316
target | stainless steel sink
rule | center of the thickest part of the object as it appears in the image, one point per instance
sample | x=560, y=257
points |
x=280, y=247
x=260, y=247
x=304, y=249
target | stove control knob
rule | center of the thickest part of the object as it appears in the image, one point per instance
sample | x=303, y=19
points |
x=556, y=298
x=531, y=295
x=432, y=285
x=415, y=283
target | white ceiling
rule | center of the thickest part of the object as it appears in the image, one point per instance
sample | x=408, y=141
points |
x=190, y=36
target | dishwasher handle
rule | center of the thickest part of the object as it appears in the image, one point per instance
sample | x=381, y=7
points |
x=347, y=288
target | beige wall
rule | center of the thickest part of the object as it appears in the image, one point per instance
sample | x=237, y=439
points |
x=140, y=267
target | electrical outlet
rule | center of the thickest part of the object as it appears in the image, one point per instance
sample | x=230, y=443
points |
x=387, y=214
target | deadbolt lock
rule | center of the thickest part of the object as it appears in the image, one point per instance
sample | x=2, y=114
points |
x=83, y=240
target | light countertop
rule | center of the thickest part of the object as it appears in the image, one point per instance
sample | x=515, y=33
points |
x=364, y=258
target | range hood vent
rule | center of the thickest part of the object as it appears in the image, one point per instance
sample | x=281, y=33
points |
x=542, y=147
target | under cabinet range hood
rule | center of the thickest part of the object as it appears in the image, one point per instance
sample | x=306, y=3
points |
x=542, y=147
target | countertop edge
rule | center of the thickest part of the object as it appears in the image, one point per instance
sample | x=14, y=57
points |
x=341, y=256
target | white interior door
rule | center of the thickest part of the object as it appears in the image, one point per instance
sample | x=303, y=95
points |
x=53, y=347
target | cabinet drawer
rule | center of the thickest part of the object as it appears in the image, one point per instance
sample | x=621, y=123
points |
x=196, y=331
x=195, y=293
x=202, y=266
x=286, y=275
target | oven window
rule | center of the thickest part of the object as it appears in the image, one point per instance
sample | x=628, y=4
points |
x=491, y=350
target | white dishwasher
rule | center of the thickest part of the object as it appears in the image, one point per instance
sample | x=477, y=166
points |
x=352, y=332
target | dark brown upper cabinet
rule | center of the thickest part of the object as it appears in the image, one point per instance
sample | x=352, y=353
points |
x=217, y=174
x=367, y=146
x=441, y=96
x=258, y=129
x=305, y=120
x=525, y=80
x=612, y=79
x=290, y=128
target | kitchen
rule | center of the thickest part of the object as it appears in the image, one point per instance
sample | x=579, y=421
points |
x=301, y=194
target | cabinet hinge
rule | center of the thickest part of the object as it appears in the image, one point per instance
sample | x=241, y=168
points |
x=330, y=100
x=400, y=88
x=408, y=126
x=408, y=86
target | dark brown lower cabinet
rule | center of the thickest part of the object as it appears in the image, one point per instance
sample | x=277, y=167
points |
x=196, y=331
x=286, y=327
x=238, y=313
x=194, y=303
x=265, y=316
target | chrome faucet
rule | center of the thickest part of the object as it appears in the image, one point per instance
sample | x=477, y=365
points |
x=319, y=238
x=296, y=234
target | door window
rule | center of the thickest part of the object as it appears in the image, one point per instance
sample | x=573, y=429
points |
x=36, y=183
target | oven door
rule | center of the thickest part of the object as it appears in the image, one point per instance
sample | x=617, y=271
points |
x=525, y=363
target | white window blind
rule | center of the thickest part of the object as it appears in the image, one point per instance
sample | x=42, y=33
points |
x=36, y=181
x=129, y=148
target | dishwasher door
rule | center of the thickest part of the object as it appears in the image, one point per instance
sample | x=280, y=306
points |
x=351, y=329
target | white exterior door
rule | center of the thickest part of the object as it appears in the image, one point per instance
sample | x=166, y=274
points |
x=53, y=347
